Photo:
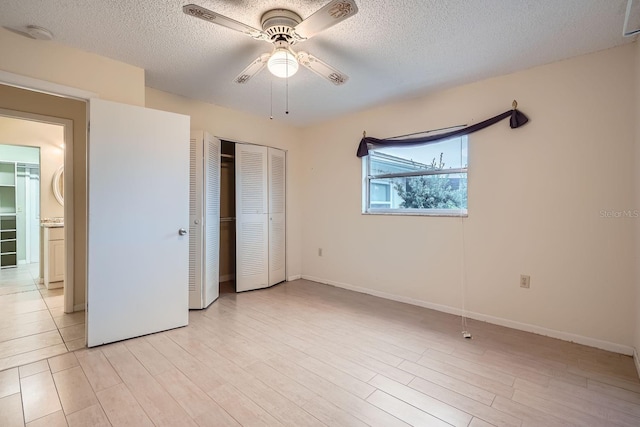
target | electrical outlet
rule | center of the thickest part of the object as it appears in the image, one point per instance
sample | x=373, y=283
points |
x=319, y=251
x=525, y=281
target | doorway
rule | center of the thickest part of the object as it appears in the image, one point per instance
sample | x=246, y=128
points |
x=71, y=111
x=34, y=322
x=252, y=216
x=227, y=218
x=92, y=287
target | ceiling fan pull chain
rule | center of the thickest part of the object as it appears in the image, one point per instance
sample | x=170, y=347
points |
x=271, y=101
x=287, y=106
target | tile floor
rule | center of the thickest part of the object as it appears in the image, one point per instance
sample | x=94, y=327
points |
x=33, y=325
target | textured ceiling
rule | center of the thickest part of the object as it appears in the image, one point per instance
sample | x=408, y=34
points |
x=390, y=49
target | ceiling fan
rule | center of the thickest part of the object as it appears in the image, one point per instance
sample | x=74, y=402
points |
x=284, y=28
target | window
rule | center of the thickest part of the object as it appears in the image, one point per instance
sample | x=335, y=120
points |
x=380, y=194
x=419, y=180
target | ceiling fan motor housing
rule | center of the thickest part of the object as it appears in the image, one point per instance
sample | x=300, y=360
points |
x=279, y=24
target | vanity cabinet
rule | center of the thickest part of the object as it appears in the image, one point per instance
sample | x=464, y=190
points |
x=53, y=256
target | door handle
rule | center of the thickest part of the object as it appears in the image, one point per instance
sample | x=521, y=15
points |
x=182, y=232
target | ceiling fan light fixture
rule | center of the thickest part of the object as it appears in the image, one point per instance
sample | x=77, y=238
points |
x=283, y=63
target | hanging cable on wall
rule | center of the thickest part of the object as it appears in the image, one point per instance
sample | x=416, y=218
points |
x=463, y=283
x=463, y=267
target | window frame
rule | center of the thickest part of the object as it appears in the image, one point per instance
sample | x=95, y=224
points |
x=366, y=195
x=379, y=202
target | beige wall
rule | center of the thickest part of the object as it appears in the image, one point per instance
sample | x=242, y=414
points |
x=637, y=195
x=49, y=138
x=50, y=61
x=241, y=127
x=535, y=196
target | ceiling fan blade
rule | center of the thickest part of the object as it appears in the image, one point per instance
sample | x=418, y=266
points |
x=210, y=16
x=322, y=69
x=254, y=68
x=332, y=13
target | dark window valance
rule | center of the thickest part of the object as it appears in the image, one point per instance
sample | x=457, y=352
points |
x=517, y=119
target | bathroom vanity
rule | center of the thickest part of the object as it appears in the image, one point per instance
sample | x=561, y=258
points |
x=53, y=254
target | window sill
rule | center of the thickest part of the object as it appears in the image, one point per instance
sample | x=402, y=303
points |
x=458, y=214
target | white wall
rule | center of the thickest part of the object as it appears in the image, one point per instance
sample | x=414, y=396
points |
x=242, y=127
x=535, y=197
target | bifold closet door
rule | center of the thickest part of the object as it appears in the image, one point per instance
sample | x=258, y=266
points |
x=211, y=205
x=277, y=237
x=204, y=220
x=196, y=166
x=252, y=229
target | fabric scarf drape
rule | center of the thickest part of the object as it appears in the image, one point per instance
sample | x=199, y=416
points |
x=517, y=119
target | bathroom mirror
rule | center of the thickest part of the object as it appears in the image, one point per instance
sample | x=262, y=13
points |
x=58, y=185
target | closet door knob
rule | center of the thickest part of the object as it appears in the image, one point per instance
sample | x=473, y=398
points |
x=182, y=232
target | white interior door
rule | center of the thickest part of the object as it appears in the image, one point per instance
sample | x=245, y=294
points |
x=211, y=283
x=252, y=232
x=138, y=200
x=277, y=196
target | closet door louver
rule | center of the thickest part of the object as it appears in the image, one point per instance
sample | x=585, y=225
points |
x=204, y=220
x=277, y=236
x=211, y=205
x=196, y=165
x=252, y=231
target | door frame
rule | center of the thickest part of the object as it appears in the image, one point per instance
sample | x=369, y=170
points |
x=50, y=88
x=68, y=199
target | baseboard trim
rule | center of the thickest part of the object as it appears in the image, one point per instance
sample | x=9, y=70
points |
x=227, y=277
x=78, y=307
x=636, y=360
x=565, y=336
x=292, y=278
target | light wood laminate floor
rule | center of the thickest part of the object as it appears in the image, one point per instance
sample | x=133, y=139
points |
x=306, y=354
x=33, y=325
